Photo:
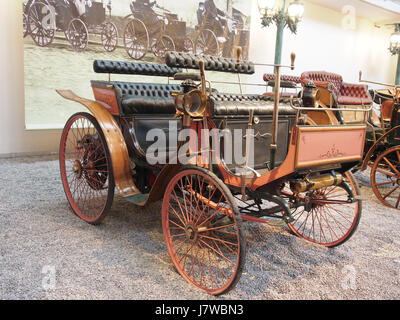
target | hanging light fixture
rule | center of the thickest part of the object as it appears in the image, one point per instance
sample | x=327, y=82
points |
x=296, y=10
x=395, y=42
x=271, y=13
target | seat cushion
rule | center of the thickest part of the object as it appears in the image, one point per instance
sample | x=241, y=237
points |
x=348, y=100
x=320, y=77
x=232, y=105
x=145, y=98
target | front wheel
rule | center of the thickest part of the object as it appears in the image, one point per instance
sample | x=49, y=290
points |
x=86, y=168
x=202, y=230
x=326, y=216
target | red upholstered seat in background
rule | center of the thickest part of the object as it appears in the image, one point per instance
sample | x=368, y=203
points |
x=271, y=77
x=345, y=93
x=284, y=78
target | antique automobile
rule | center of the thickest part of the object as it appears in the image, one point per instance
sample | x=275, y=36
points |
x=152, y=26
x=76, y=18
x=382, y=151
x=297, y=177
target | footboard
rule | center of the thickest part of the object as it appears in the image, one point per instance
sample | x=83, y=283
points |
x=323, y=145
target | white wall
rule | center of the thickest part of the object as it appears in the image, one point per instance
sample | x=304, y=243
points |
x=13, y=136
x=321, y=44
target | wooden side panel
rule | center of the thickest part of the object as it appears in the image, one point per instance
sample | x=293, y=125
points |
x=326, y=145
x=108, y=97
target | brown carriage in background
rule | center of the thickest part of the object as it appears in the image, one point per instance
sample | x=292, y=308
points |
x=150, y=26
x=44, y=18
x=298, y=176
x=219, y=34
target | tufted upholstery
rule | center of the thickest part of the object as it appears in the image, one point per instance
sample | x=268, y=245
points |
x=231, y=105
x=143, y=98
x=191, y=61
x=271, y=77
x=286, y=82
x=146, y=69
x=345, y=93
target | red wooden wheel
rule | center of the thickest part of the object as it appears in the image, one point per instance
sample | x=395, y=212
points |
x=326, y=218
x=385, y=177
x=202, y=230
x=86, y=169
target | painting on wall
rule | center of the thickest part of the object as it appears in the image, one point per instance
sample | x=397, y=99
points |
x=63, y=37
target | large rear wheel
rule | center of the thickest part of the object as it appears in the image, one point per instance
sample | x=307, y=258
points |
x=86, y=169
x=202, y=230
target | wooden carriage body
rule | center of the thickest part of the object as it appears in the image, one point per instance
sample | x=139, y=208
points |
x=206, y=202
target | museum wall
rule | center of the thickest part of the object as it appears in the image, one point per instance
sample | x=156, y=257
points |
x=13, y=136
x=328, y=40
x=323, y=42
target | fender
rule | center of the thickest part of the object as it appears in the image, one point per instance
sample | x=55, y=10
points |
x=115, y=142
x=372, y=149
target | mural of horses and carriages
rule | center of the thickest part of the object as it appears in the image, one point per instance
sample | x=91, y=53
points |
x=140, y=26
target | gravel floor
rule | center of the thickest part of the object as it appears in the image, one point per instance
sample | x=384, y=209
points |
x=126, y=258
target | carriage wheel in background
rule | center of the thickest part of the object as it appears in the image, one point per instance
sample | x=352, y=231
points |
x=39, y=25
x=86, y=169
x=136, y=39
x=109, y=36
x=326, y=218
x=385, y=177
x=202, y=230
x=77, y=34
x=207, y=43
x=163, y=45
x=188, y=45
x=25, y=23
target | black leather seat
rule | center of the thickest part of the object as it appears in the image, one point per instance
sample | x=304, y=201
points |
x=231, y=105
x=145, y=98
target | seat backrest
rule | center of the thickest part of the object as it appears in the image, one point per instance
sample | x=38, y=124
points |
x=271, y=77
x=175, y=59
x=335, y=79
x=145, y=69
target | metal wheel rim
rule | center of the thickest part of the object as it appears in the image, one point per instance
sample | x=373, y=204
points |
x=328, y=224
x=88, y=202
x=178, y=217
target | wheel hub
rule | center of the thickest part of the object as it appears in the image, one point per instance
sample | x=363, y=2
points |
x=191, y=233
x=77, y=169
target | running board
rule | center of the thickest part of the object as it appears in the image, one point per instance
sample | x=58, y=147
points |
x=139, y=199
